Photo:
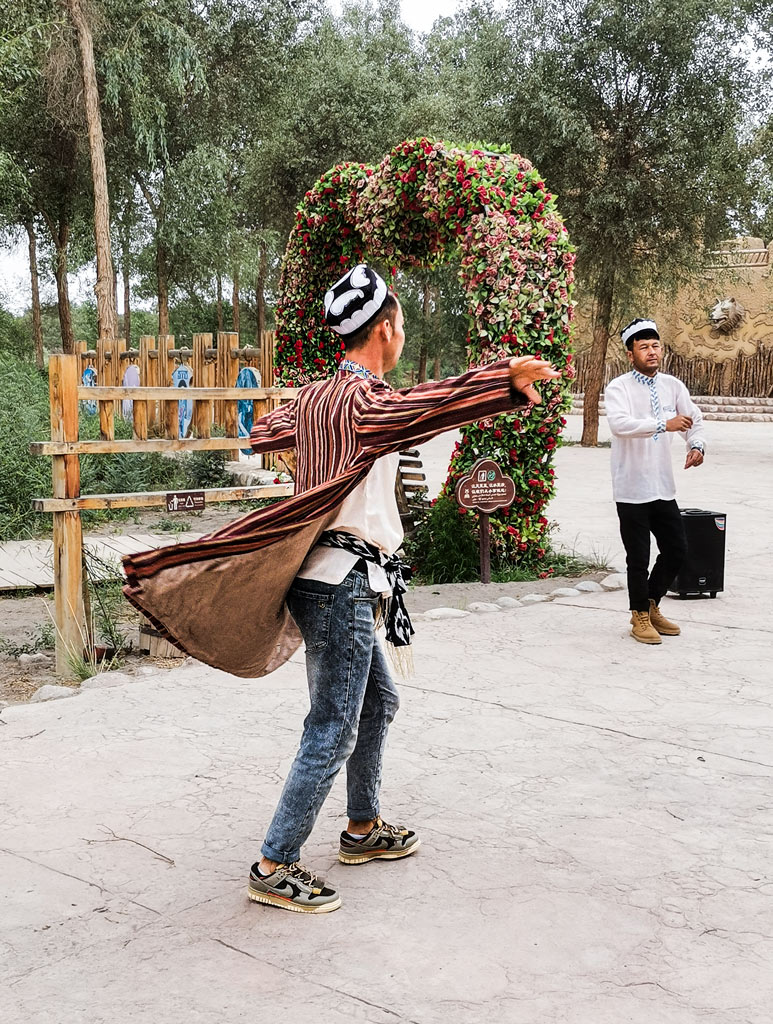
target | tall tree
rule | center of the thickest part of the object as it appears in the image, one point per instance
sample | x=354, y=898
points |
x=633, y=110
x=105, y=286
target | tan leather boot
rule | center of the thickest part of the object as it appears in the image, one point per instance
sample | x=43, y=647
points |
x=661, y=623
x=643, y=630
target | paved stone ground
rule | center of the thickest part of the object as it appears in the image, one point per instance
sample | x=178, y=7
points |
x=596, y=818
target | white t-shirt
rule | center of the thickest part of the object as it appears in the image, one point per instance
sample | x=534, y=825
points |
x=369, y=512
x=641, y=446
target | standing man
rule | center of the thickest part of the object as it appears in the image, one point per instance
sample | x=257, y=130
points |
x=348, y=431
x=643, y=407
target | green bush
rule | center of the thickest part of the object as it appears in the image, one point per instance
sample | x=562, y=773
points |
x=443, y=549
x=24, y=417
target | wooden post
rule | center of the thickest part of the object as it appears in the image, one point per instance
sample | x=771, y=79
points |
x=105, y=379
x=202, y=411
x=119, y=347
x=222, y=360
x=485, y=548
x=140, y=425
x=231, y=408
x=169, y=418
x=68, y=536
x=267, y=342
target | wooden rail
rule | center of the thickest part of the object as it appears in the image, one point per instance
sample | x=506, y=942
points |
x=155, y=499
x=152, y=405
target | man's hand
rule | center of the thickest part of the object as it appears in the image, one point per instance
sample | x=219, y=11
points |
x=524, y=370
x=694, y=458
x=678, y=423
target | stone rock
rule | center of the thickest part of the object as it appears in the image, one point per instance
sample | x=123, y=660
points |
x=51, y=692
x=564, y=592
x=616, y=581
x=508, y=602
x=534, y=598
x=445, y=613
x=483, y=607
x=589, y=587
x=34, y=659
x=103, y=680
x=146, y=670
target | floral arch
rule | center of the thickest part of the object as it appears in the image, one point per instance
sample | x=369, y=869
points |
x=425, y=202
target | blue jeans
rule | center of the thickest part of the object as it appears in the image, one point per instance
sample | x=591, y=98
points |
x=353, y=700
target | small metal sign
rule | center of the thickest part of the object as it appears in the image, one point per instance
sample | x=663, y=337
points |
x=185, y=501
x=485, y=487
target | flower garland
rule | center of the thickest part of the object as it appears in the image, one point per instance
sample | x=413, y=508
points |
x=425, y=201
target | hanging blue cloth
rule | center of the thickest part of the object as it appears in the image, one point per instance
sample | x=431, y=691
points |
x=181, y=378
x=248, y=378
x=89, y=380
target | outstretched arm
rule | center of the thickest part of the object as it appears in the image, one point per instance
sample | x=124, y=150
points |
x=274, y=432
x=389, y=419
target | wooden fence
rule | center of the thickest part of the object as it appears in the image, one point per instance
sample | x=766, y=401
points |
x=155, y=428
x=747, y=376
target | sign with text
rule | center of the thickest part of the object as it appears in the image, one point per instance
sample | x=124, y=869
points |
x=185, y=501
x=485, y=487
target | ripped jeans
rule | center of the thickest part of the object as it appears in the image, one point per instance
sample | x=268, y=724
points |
x=353, y=700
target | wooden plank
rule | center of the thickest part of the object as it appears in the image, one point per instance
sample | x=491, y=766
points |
x=104, y=379
x=202, y=411
x=231, y=408
x=140, y=408
x=154, y=499
x=63, y=373
x=169, y=417
x=153, y=394
x=154, y=444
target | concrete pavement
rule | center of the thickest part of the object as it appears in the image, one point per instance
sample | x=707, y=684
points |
x=596, y=817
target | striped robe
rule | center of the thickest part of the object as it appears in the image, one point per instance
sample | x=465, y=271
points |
x=221, y=599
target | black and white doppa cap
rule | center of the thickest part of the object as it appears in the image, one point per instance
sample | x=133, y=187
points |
x=355, y=300
x=637, y=327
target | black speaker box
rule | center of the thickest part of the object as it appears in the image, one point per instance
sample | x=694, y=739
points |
x=704, y=570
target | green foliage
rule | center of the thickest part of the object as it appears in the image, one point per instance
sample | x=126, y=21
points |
x=206, y=469
x=24, y=417
x=425, y=202
x=444, y=549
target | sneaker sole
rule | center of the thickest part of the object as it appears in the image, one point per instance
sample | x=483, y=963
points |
x=285, y=904
x=646, y=639
x=363, y=858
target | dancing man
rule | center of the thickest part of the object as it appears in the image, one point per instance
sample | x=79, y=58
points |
x=347, y=432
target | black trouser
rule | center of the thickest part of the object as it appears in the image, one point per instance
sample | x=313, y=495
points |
x=637, y=522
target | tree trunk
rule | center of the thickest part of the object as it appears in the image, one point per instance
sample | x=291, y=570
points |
x=436, y=368
x=63, y=300
x=126, y=274
x=423, y=348
x=104, y=288
x=162, y=277
x=594, y=380
x=37, y=325
x=235, y=301
x=219, y=302
x=260, y=293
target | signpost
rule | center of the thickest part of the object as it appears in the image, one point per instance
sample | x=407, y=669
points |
x=485, y=488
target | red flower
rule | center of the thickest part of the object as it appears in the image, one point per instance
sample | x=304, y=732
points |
x=498, y=434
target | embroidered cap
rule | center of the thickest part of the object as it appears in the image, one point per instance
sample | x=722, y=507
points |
x=355, y=300
x=637, y=327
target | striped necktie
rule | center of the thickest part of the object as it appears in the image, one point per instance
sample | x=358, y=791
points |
x=657, y=411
